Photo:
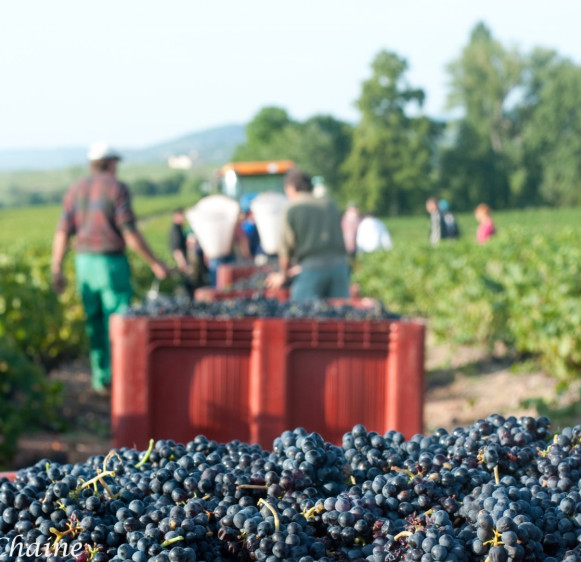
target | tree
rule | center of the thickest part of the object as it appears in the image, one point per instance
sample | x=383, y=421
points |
x=390, y=163
x=322, y=146
x=318, y=146
x=267, y=136
x=551, y=129
x=479, y=165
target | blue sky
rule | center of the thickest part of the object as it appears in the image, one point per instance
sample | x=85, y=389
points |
x=136, y=72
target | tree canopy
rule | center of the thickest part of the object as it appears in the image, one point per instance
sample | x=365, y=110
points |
x=516, y=140
x=388, y=169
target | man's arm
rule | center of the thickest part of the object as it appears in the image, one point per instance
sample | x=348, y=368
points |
x=137, y=243
x=286, y=245
x=180, y=259
x=59, y=251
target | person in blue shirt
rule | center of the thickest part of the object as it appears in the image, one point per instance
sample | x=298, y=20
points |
x=248, y=225
x=451, y=229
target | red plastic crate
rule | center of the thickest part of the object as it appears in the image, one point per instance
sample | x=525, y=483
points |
x=227, y=274
x=10, y=475
x=251, y=379
x=329, y=376
x=178, y=377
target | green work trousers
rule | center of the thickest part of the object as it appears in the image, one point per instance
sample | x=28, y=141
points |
x=104, y=283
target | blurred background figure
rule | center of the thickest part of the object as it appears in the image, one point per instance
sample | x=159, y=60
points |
x=436, y=220
x=183, y=248
x=239, y=250
x=311, y=235
x=249, y=224
x=349, y=225
x=217, y=225
x=373, y=235
x=267, y=213
x=196, y=259
x=486, y=227
x=97, y=212
x=451, y=229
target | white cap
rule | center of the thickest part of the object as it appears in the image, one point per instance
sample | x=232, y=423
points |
x=102, y=151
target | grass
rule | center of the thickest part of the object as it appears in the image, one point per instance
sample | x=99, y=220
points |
x=36, y=225
x=59, y=179
x=414, y=230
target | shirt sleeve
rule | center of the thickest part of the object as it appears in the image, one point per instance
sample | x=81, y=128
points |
x=286, y=244
x=124, y=217
x=66, y=222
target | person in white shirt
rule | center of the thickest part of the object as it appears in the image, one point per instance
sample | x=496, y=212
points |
x=372, y=235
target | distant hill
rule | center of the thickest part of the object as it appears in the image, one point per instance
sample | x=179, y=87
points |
x=211, y=146
x=41, y=158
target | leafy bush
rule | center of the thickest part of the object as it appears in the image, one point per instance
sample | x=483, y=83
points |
x=27, y=398
x=522, y=290
x=46, y=328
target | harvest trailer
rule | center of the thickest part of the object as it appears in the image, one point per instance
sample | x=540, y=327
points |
x=239, y=179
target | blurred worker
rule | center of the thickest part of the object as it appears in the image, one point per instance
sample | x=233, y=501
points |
x=267, y=212
x=185, y=256
x=97, y=211
x=437, y=227
x=217, y=226
x=486, y=227
x=372, y=235
x=451, y=229
x=349, y=225
x=240, y=248
x=311, y=234
x=249, y=225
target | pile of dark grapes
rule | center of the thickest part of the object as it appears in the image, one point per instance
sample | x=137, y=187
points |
x=501, y=489
x=260, y=307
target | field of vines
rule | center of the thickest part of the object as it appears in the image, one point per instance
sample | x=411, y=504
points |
x=39, y=330
x=523, y=289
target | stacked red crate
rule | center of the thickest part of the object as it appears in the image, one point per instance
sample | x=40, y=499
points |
x=251, y=379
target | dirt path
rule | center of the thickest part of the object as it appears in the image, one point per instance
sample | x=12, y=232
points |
x=465, y=384
x=462, y=385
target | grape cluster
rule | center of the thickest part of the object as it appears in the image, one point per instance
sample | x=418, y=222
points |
x=501, y=489
x=260, y=307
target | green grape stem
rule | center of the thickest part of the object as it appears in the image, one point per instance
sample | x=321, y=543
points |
x=146, y=456
x=273, y=511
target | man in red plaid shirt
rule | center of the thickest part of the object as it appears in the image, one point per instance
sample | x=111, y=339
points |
x=97, y=212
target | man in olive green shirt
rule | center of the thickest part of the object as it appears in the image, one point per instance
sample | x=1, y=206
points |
x=311, y=234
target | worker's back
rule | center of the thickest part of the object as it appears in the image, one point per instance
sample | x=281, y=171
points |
x=316, y=226
x=96, y=209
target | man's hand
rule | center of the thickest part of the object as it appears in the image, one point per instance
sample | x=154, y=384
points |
x=294, y=270
x=275, y=280
x=160, y=269
x=59, y=282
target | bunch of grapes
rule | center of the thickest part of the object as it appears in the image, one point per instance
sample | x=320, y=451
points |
x=501, y=489
x=259, y=307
